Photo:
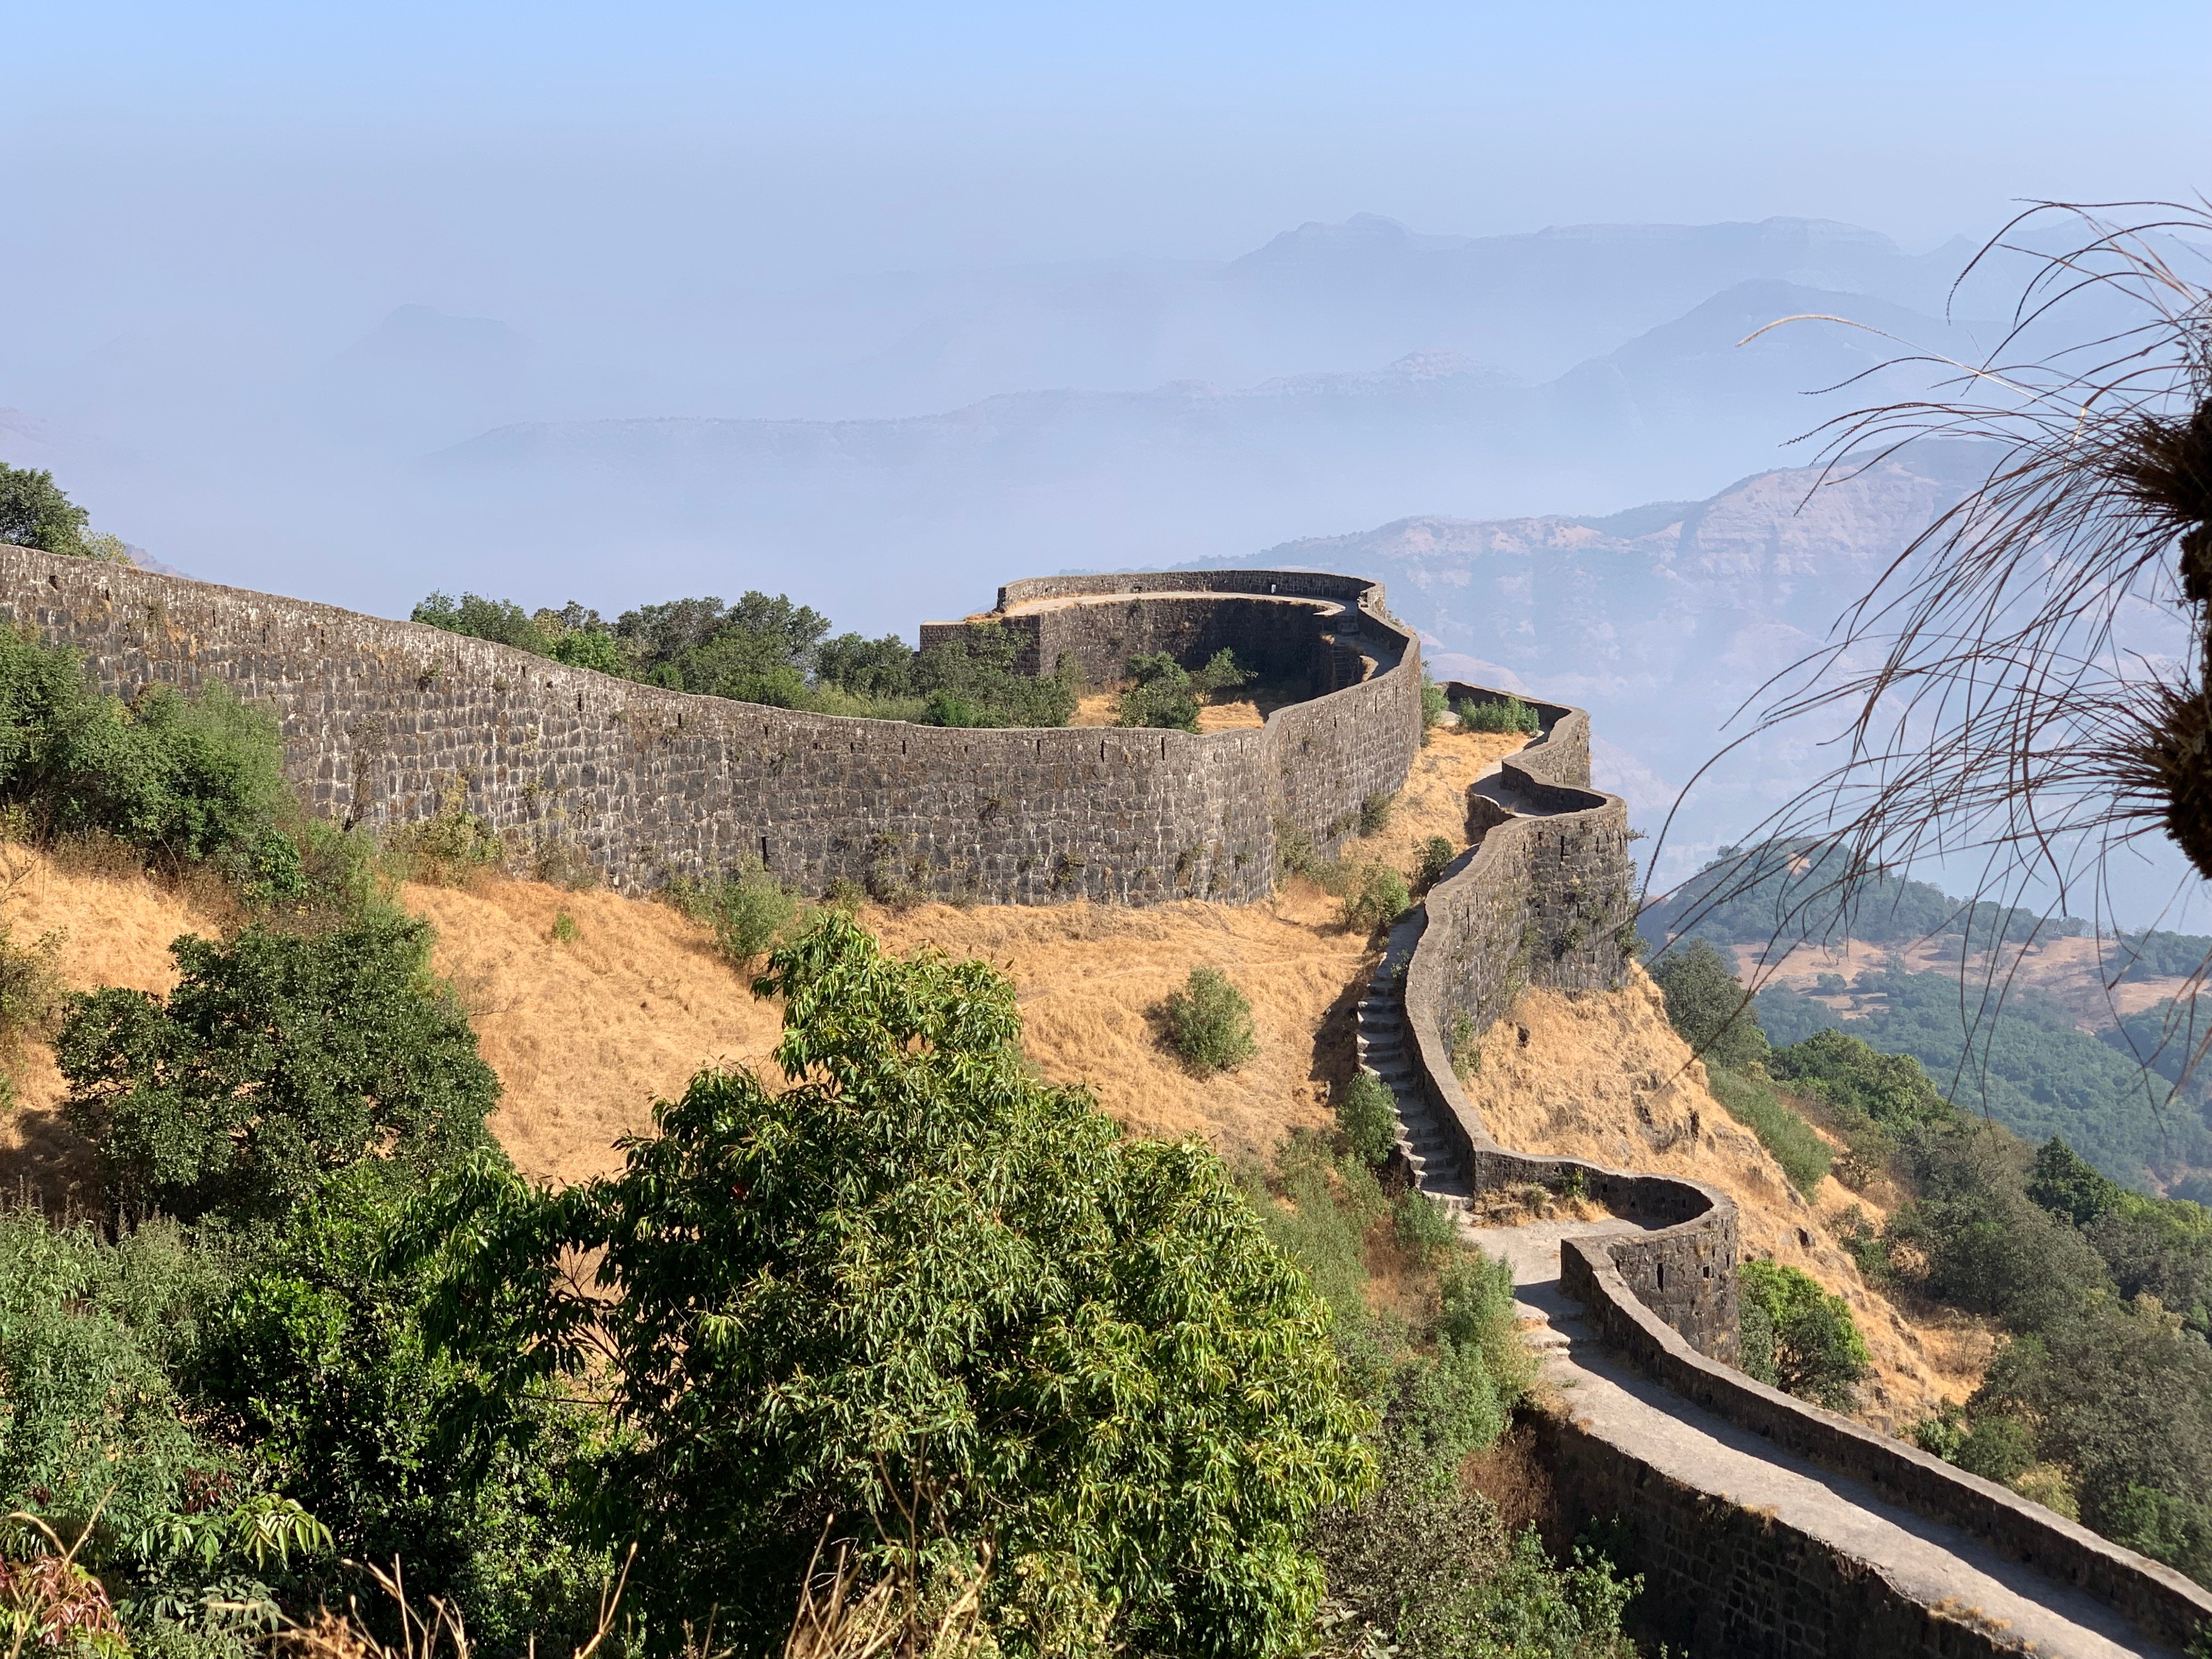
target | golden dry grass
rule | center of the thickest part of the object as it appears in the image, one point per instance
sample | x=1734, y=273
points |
x=2072, y=972
x=1602, y=1076
x=586, y=1034
x=115, y=930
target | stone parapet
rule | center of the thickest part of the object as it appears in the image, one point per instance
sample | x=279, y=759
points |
x=384, y=722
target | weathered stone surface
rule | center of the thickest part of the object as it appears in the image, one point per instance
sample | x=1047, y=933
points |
x=382, y=720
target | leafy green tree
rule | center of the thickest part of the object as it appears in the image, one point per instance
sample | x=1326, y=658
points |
x=918, y=1273
x=189, y=1531
x=1799, y=1338
x=866, y=668
x=971, y=679
x=1425, y=1567
x=1892, y=1092
x=758, y=650
x=315, y=1366
x=2062, y=1182
x=1707, y=1005
x=33, y=512
x=279, y=1059
x=1167, y=695
x=2123, y=1398
x=501, y=621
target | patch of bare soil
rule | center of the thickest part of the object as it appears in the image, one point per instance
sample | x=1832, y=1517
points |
x=1602, y=1076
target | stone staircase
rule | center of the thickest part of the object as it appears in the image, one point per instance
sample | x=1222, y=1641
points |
x=1383, y=1051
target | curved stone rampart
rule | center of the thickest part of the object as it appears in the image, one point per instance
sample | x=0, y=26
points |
x=384, y=720
x=1528, y=907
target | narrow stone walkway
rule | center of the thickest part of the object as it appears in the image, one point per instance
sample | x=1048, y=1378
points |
x=1926, y=1561
x=1933, y=1564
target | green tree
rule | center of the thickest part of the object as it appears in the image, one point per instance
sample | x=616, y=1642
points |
x=2064, y=1183
x=33, y=512
x=315, y=1366
x=866, y=668
x=919, y=1270
x=971, y=679
x=1168, y=694
x=278, y=1060
x=1799, y=1338
x=189, y=1529
x=1367, y=1118
x=501, y=621
x=1707, y=1006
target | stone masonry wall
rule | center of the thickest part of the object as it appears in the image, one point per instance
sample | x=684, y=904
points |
x=382, y=720
x=1524, y=909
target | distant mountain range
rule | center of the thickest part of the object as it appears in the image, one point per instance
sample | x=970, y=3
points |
x=1663, y=620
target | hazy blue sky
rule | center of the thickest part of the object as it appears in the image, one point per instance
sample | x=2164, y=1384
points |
x=225, y=161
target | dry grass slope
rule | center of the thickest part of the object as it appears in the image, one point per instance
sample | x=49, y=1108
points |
x=1604, y=1076
x=586, y=1034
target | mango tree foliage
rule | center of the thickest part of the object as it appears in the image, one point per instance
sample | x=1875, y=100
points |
x=921, y=1280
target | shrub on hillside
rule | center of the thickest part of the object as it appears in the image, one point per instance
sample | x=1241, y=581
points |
x=750, y=910
x=919, y=1269
x=1509, y=715
x=1367, y=1118
x=1425, y=1568
x=1788, y=1138
x=1798, y=1338
x=314, y=1363
x=30, y=994
x=1209, y=1023
x=188, y=779
x=1437, y=854
x=1374, y=811
x=190, y=1529
x=279, y=1059
x=1707, y=1005
x=1377, y=898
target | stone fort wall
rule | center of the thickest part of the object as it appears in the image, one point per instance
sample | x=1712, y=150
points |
x=384, y=720
x=1546, y=901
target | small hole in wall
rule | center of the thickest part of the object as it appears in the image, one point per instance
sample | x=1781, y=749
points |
x=1663, y=1275
x=1709, y=1270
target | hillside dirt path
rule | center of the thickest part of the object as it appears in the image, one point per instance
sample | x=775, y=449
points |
x=1936, y=1565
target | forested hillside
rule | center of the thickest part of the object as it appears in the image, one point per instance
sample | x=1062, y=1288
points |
x=1910, y=969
